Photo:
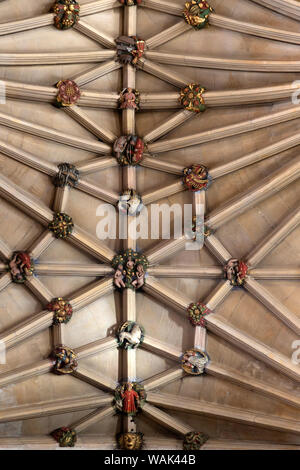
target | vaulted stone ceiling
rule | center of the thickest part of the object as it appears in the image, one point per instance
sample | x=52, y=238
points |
x=247, y=61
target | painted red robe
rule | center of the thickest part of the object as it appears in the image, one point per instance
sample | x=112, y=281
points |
x=129, y=401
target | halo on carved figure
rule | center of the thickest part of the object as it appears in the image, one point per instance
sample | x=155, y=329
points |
x=196, y=178
x=236, y=272
x=130, y=203
x=194, y=361
x=62, y=225
x=64, y=360
x=62, y=310
x=67, y=175
x=130, y=269
x=66, y=13
x=129, y=49
x=20, y=266
x=197, y=312
x=66, y=437
x=194, y=440
x=130, y=440
x=129, y=149
x=68, y=93
x=129, y=398
x=191, y=98
x=130, y=335
x=129, y=99
x=196, y=13
x=130, y=3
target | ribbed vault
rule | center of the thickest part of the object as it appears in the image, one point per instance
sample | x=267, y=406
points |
x=248, y=138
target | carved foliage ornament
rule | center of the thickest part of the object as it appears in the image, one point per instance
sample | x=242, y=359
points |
x=62, y=225
x=62, y=310
x=129, y=49
x=129, y=398
x=194, y=361
x=20, y=267
x=236, y=272
x=129, y=150
x=130, y=440
x=68, y=93
x=196, y=178
x=197, y=313
x=130, y=203
x=129, y=99
x=130, y=335
x=191, y=98
x=196, y=13
x=130, y=269
x=194, y=440
x=67, y=175
x=64, y=360
x=66, y=13
x=66, y=437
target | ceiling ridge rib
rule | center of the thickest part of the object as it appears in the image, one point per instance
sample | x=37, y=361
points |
x=231, y=24
x=49, y=408
x=87, y=295
x=245, y=65
x=53, y=135
x=231, y=130
x=46, y=19
x=226, y=412
x=285, y=7
x=274, y=238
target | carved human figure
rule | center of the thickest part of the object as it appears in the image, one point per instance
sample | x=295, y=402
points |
x=15, y=268
x=138, y=150
x=140, y=276
x=129, y=149
x=128, y=99
x=130, y=203
x=130, y=440
x=130, y=269
x=236, y=271
x=130, y=399
x=64, y=360
x=194, y=361
x=119, y=276
x=134, y=205
x=231, y=269
x=120, y=145
x=20, y=267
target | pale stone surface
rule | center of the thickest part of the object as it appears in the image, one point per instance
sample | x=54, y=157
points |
x=239, y=237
